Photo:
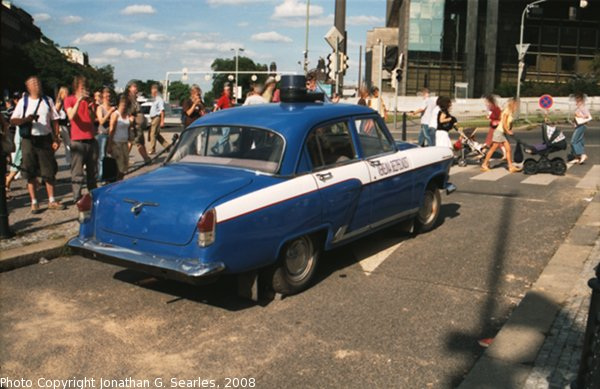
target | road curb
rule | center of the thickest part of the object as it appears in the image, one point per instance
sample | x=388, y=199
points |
x=28, y=255
x=509, y=359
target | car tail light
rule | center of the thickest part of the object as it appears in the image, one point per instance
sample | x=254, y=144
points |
x=84, y=205
x=206, y=228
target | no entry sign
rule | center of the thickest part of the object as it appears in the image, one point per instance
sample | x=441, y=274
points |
x=546, y=101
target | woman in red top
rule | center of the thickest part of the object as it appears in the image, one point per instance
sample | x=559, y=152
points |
x=494, y=113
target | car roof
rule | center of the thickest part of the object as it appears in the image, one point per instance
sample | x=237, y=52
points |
x=292, y=120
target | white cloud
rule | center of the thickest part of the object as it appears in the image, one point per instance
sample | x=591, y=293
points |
x=112, y=52
x=137, y=9
x=149, y=46
x=71, y=19
x=143, y=35
x=100, y=60
x=232, y=2
x=206, y=45
x=294, y=9
x=326, y=20
x=271, y=36
x=364, y=20
x=243, y=24
x=134, y=54
x=41, y=17
x=102, y=37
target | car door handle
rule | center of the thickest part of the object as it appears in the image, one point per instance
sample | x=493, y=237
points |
x=325, y=176
x=375, y=163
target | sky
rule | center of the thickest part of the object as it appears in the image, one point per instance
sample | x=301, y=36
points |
x=144, y=39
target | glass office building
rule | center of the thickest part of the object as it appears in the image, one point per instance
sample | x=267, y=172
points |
x=473, y=41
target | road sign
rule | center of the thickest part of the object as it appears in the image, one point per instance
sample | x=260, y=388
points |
x=546, y=101
x=522, y=49
x=334, y=37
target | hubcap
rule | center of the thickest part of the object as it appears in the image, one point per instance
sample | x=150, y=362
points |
x=429, y=209
x=298, y=258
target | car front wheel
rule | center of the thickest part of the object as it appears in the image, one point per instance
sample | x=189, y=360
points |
x=296, y=266
x=429, y=211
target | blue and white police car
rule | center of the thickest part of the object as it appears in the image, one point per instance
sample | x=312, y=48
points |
x=264, y=189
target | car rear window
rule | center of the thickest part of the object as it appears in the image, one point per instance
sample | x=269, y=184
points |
x=245, y=147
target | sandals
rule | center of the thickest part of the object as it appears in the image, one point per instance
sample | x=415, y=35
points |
x=485, y=168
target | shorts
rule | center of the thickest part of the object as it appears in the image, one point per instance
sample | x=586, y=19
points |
x=120, y=152
x=137, y=133
x=38, y=158
x=499, y=136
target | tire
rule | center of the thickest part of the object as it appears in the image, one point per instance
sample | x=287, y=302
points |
x=559, y=167
x=430, y=210
x=294, y=271
x=462, y=162
x=530, y=166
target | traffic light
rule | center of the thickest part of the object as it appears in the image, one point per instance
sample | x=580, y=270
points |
x=332, y=66
x=321, y=67
x=273, y=67
x=343, y=63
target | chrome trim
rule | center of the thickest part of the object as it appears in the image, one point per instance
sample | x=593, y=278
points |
x=138, y=205
x=450, y=188
x=190, y=270
x=380, y=223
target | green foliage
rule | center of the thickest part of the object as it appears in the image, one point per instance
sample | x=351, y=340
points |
x=587, y=84
x=209, y=98
x=228, y=64
x=178, y=91
x=45, y=61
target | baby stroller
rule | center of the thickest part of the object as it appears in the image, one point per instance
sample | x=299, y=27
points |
x=466, y=148
x=553, y=140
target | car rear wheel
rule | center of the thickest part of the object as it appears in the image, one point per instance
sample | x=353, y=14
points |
x=430, y=209
x=296, y=266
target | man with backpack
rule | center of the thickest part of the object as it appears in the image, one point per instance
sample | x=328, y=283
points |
x=37, y=119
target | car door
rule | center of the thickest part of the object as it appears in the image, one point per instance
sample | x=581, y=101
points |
x=390, y=178
x=341, y=179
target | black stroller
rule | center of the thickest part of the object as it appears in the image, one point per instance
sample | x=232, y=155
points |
x=553, y=140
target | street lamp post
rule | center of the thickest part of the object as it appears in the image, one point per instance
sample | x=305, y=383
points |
x=237, y=56
x=520, y=48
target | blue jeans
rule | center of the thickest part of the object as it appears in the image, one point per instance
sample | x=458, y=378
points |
x=432, y=135
x=425, y=136
x=102, y=140
x=577, y=142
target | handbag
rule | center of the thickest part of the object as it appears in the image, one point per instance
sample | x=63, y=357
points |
x=25, y=128
x=518, y=155
x=8, y=145
x=110, y=169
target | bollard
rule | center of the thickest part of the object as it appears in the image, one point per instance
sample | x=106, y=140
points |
x=588, y=376
x=5, y=231
x=404, y=126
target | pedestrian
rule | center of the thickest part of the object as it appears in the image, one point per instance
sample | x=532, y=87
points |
x=16, y=155
x=37, y=119
x=193, y=108
x=376, y=103
x=84, y=147
x=335, y=98
x=445, y=122
x=139, y=122
x=118, y=135
x=499, y=138
x=255, y=96
x=157, y=119
x=103, y=113
x=224, y=102
x=363, y=93
x=494, y=113
x=582, y=116
x=64, y=123
x=271, y=93
x=427, y=106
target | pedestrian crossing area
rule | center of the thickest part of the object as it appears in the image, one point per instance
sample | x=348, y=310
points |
x=590, y=180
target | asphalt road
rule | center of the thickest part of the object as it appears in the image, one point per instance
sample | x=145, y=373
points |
x=409, y=316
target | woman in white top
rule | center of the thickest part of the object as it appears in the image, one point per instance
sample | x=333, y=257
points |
x=63, y=121
x=103, y=113
x=118, y=136
x=582, y=116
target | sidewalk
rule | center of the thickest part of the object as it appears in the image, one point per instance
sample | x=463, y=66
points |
x=540, y=345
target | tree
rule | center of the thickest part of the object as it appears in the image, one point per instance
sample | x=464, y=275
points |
x=47, y=62
x=178, y=91
x=245, y=80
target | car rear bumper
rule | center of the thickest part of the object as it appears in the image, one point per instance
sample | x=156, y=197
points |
x=191, y=271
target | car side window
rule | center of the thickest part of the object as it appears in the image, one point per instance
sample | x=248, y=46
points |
x=372, y=138
x=330, y=144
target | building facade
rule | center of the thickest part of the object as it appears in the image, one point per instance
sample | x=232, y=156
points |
x=472, y=43
x=74, y=55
